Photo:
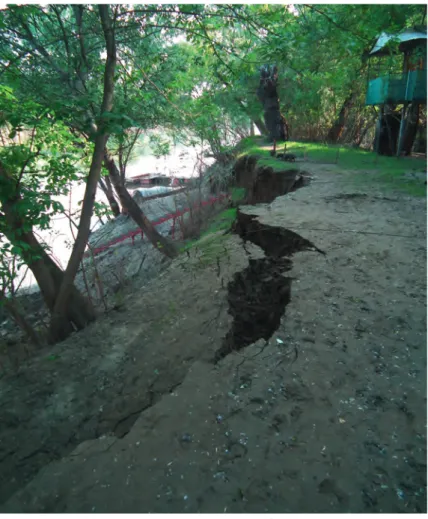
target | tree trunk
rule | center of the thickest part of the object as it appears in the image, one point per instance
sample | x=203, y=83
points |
x=59, y=313
x=58, y=328
x=48, y=275
x=421, y=137
x=268, y=95
x=160, y=242
x=107, y=188
x=256, y=120
x=79, y=312
x=336, y=130
x=364, y=131
x=411, y=128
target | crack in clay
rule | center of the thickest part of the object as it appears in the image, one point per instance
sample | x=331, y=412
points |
x=125, y=424
x=258, y=295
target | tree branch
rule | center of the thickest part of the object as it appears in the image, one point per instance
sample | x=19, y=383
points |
x=327, y=17
x=64, y=34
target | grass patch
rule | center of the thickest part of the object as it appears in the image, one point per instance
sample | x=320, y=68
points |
x=208, y=249
x=259, y=147
x=384, y=171
x=238, y=194
x=221, y=222
x=277, y=165
x=392, y=180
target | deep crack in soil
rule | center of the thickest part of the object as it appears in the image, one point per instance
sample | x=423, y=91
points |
x=258, y=295
x=262, y=183
x=276, y=242
x=257, y=298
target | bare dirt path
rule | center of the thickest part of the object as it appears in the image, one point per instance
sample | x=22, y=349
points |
x=328, y=415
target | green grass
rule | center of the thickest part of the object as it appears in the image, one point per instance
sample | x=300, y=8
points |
x=221, y=222
x=209, y=247
x=209, y=240
x=238, y=194
x=278, y=165
x=258, y=146
x=368, y=166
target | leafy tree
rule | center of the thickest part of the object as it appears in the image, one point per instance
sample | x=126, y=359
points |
x=322, y=59
x=37, y=162
x=28, y=59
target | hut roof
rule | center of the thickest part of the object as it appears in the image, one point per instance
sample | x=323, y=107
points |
x=404, y=37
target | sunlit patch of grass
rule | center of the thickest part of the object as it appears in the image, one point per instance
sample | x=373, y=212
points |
x=260, y=148
x=384, y=171
x=277, y=164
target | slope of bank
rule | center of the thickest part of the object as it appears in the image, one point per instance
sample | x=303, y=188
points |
x=328, y=402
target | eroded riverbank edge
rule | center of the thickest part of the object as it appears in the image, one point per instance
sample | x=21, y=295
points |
x=342, y=320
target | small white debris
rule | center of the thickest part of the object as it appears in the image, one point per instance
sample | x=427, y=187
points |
x=279, y=341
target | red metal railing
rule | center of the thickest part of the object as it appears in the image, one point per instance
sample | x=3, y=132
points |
x=172, y=216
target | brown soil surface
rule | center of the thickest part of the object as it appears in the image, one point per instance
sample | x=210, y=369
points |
x=140, y=413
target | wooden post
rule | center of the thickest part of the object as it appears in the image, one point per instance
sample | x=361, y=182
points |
x=403, y=112
x=379, y=128
x=402, y=128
